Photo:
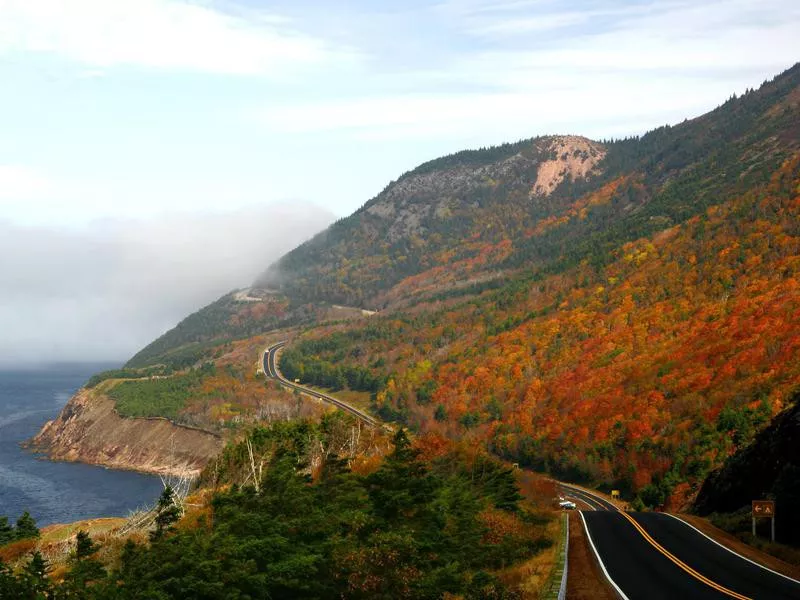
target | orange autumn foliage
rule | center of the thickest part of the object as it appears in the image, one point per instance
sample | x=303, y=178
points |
x=621, y=374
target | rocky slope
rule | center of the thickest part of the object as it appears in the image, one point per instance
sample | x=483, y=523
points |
x=89, y=430
x=459, y=208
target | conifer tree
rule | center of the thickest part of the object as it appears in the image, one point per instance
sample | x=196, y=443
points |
x=84, y=546
x=26, y=527
x=167, y=513
x=6, y=531
x=9, y=587
x=34, y=581
x=85, y=570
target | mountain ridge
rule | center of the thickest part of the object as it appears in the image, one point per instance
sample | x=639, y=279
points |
x=664, y=155
x=604, y=323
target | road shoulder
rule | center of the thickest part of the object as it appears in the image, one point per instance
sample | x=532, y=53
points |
x=585, y=580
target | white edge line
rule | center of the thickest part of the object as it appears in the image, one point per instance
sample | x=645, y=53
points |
x=731, y=550
x=600, y=560
x=598, y=499
x=592, y=498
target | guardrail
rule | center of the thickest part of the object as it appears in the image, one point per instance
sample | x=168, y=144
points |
x=270, y=363
x=556, y=586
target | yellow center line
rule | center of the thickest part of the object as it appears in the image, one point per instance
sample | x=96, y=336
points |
x=682, y=564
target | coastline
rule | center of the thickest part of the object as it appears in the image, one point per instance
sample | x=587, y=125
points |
x=89, y=430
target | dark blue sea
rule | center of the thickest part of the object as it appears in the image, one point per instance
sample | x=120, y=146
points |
x=56, y=492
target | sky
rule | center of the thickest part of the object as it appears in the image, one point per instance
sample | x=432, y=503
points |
x=157, y=153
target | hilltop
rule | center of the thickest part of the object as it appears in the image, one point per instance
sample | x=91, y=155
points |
x=540, y=205
x=617, y=312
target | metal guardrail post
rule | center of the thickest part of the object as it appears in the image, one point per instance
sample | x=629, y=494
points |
x=556, y=586
x=562, y=591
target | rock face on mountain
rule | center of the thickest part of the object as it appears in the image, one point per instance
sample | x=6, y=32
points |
x=420, y=220
x=572, y=159
x=453, y=209
x=89, y=430
x=613, y=311
x=547, y=162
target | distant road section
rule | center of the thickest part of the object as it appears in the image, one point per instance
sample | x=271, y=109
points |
x=270, y=365
x=656, y=556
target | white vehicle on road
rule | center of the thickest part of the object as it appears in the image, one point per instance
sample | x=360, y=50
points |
x=567, y=505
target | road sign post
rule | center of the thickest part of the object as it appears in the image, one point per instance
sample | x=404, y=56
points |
x=764, y=509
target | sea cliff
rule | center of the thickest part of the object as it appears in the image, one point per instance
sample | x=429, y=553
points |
x=89, y=430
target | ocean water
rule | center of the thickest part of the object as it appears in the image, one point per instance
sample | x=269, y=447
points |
x=57, y=492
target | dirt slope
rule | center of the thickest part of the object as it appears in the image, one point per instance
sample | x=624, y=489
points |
x=90, y=430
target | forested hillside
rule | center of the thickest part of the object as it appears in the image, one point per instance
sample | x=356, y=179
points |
x=226, y=319
x=769, y=467
x=623, y=313
x=637, y=335
x=539, y=206
x=545, y=203
x=321, y=517
x=644, y=373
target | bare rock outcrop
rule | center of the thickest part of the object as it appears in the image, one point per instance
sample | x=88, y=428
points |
x=574, y=157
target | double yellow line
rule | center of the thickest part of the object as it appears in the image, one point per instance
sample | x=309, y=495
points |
x=680, y=563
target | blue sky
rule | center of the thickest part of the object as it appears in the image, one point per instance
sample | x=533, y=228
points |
x=128, y=108
x=157, y=153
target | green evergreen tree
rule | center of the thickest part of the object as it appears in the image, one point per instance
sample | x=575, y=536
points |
x=167, y=513
x=6, y=531
x=9, y=586
x=85, y=570
x=84, y=546
x=26, y=527
x=33, y=581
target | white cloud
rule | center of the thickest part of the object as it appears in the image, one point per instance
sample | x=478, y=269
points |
x=160, y=34
x=623, y=70
x=31, y=195
x=602, y=105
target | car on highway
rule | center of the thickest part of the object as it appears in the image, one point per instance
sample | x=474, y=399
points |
x=567, y=505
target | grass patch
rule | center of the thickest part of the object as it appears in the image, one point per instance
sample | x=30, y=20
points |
x=54, y=534
x=359, y=400
x=532, y=576
x=157, y=397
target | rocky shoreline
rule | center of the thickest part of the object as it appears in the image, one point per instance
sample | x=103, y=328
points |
x=89, y=430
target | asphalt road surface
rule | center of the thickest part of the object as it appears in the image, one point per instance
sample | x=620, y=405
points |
x=270, y=364
x=655, y=556
x=645, y=556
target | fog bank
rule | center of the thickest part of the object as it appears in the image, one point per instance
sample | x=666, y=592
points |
x=106, y=290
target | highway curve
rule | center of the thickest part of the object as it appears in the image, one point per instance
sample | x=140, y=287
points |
x=647, y=556
x=270, y=365
x=654, y=556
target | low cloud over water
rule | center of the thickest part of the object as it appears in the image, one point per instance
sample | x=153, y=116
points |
x=103, y=291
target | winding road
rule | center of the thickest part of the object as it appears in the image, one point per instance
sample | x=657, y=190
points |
x=644, y=555
x=655, y=556
x=270, y=365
